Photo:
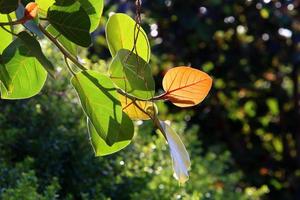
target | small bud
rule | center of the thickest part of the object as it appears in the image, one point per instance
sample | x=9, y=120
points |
x=31, y=11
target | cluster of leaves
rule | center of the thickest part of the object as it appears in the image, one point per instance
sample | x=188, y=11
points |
x=37, y=145
x=110, y=100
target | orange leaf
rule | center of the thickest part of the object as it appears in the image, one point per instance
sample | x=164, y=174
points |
x=31, y=11
x=186, y=86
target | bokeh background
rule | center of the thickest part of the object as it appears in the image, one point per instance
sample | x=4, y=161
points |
x=244, y=139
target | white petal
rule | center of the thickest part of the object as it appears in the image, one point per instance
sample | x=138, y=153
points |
x=179, y=154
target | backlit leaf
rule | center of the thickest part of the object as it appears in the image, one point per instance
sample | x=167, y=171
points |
x=70, y=46
x=137, y=110
x=94, y=9
x=180, y=157
x=186, y=86
x=5, y=77
x=120, y=30
x=99, y=100
x=6, y=38
x=35, y=49
x=71, y=20
x=26, y=72
x=132, y=74
x=124, y=138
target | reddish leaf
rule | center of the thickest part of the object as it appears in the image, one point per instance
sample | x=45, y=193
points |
x=186, y=86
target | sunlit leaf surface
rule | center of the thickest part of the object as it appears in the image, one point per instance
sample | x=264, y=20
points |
x=120, y=32
x=186, y=86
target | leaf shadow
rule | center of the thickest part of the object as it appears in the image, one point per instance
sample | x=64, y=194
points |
x=112, y=136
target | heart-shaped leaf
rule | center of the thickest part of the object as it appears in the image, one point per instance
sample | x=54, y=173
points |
x=132, y=74
x=120, y=32
x=71, y=20
x=124, y=138
x=99, y=100
x=186, y=86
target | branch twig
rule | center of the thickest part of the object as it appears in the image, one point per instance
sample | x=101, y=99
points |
x=66, y=53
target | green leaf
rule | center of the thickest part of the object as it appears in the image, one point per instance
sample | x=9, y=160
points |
x=8, y=6
x=4, y=76
x=132, y=74
x=35, y=49
x=120, y=30
x=27, y=74
x=6, y=38
x=70, y=46
x=72, y=21
x=94, y=9
x=100, y=103
x=124, y=138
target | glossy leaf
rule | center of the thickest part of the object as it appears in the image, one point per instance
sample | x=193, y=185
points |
x=137, y=110
x=99, y=100
x=120, y=31
x=132, y=74
x=72, y=21
x=35, y=49
x=186, y=86
x=8, y=6
x=70, y=46
x=94, y=9
x=124, y=138
x=27, y=74
x=6, y=38
x=180, y=157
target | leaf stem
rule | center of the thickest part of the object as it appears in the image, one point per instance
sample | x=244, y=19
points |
x=17, y=22
x=69, y=67
x=66, y=53
x=133, y=98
